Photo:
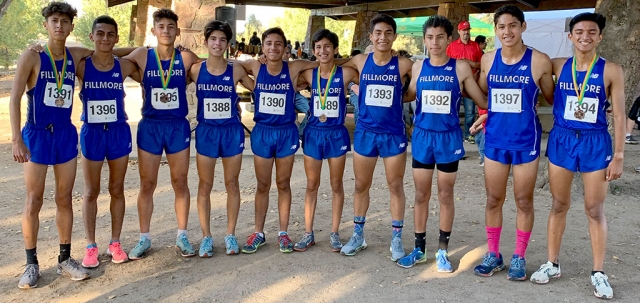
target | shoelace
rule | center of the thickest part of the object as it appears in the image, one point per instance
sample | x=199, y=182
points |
x=231, y=241
x=600, y=280
x=185, y=242
x=518, y=264
x=489, y=260
x=207, y=241
x=442, y=258
x=397, y=245
x=31, y=271
x=284, y=240
x=306, y=239
x=252, y=239
x=92, y=252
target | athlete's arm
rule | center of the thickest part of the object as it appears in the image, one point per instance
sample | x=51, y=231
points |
x=139, y=58
x=80, y=70
x=615, y=74
x=250, y=66
x=545, y=83
x=350, y=75
x=298, y=66
x=305, y=78
x=26, y=74
x=123, y=51
x=469, y=84
x=129, y=69
x=190, y=58
x=241, y=76
x=353, y=62
x=194, y=71
x=477, y=126
x=485, y=66
x=410, y=94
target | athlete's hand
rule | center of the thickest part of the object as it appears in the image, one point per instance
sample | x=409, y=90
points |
x=35, y=47
x=20, y=152
x=263, y=59
x=475, y=128
x=182, y=48
x=614, y=170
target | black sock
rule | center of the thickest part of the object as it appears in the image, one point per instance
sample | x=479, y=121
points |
x=65, y=252
x=443, y=240
x=32, y=256
x=556, y=265
x=421, y=241
x=597, y=271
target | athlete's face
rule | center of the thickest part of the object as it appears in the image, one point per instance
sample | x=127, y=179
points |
x=324, y=50
x=273, y=47
x=166, y=31
x=585, y=36
x=382, y=36
x=509, y=30
x=58, y=26
x=104, y=37
x=217, y=44
x=436, y=40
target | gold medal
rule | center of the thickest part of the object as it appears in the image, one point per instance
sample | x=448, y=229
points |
x=59, y=102
x=164, y=98
x=579, y=114
x=323, y=118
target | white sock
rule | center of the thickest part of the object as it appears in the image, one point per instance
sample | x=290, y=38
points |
x=145, y=235
x=182, y=232
x=628, y=134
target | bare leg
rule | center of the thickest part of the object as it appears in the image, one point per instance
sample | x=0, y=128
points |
x=446, y=182
x=263, y=167
x=284, y=168
x=595, y=192
x=231, y=168
x=117, y=172
x=394, y=168
x=91, y=171
x=148, y=165
x=65, y=175
x=312, y=168
x=336, y=173
x=495, y=180
x=179, y=170
x=34, y=178
x=422, y=180
x=560, y=180
x=206, y=168
x=524, y=181
x=363, y=168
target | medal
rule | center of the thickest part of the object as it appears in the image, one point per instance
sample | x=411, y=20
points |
x=323, y=96
x=59, y=76
x=323, y=118
x=579, y=113
x=164, y=98
x=165, y=78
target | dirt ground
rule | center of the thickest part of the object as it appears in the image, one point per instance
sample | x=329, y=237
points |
x=317, y=275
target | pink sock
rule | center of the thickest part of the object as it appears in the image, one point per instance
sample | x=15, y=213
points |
x=493, y=239
x=522, y=240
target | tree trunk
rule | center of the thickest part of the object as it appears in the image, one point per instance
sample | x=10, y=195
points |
x=4, y=5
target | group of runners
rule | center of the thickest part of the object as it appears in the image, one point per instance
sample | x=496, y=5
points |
x=511, y=77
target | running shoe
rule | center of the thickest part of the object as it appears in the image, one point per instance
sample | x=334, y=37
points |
x=142, y=247
x=286, y=245
x=602, y=289
x=307, y=241
x=472, y=140
x=30, y=276
x=355, y=244
x=254, y=241
x=416, y=256
x=182, y=243
x=490, y=264
x=73, y=269
x=442, y=261
x=638, y=169
x=206, y=247
x=336, y=244
x=545, y=272
x=518, y=269
x=117, y=254
x=396, y=248
x=90, y=259
x=231, y=244
x=630, y=140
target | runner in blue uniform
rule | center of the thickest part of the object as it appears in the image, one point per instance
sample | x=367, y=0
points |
x=48, y=138
x=579, y=142
x=380, y=131
x=325, y=136
x=219, y=133
x=275, y=137
x=105, y=134
x=512, y=76
x=436, y=85
x=163, y=127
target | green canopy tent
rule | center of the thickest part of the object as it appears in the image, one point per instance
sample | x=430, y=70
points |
x=412, y=26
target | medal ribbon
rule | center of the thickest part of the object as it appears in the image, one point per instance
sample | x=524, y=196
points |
x=323, y=99
x=574, y=75
x=59, y=77
x=167, y=78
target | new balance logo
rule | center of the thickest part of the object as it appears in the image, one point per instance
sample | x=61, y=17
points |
x=129, y=144
x=448, y=68
x=176, y=62
x=392, y=67
x=187, y=140
x=533, y=153
x=523, y=67
x=595, y=76
x=294, y=146
x=344, y=147
x=69, y=62
x=336, y=80
x=457, y=152
x=226, y=78
x=241, y=145
x=115, y=75
x=283, y=76
x=401, y=145
x=608, y=158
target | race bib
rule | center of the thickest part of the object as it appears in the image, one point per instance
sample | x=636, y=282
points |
x=217, y=108
x=331, y=109
x=102, y=111
x=436, y=102
x=55, y=98
x=506, y=100
x=588, y=110
x=164, y=98
x=273, y=104
x=379, y=95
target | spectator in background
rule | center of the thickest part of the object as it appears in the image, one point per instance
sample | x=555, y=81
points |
x=482, y=42
x=298, y=49
x=254, y=40
x=468, y=50
x=353, y=90
x=633, y=118
x=241, y=47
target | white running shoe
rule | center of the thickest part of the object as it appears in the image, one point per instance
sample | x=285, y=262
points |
x=602, y=289
x=547, y=271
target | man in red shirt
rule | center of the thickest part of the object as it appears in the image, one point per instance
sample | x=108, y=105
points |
x=469, y=51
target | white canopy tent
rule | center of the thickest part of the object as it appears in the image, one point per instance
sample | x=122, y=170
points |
x=548, y=36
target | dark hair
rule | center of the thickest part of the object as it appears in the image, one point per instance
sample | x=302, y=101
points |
x=404, y=53
x=382, y=18
x=255, y=33
x=325, y=33
x=215, y=25
x=594, y=17
x=355, y=52
x=438, y=21
x=61, y=8
x=104, y=19
x=164, y=13
x=274, y=30
x=508, y=9
x=297, y=45
x=481, y=39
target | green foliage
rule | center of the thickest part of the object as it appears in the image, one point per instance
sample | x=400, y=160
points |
x=252, y=25
x=491, y=40
x=344, y=30
x=412, y=44
x=21, y=25
x=92, y=9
